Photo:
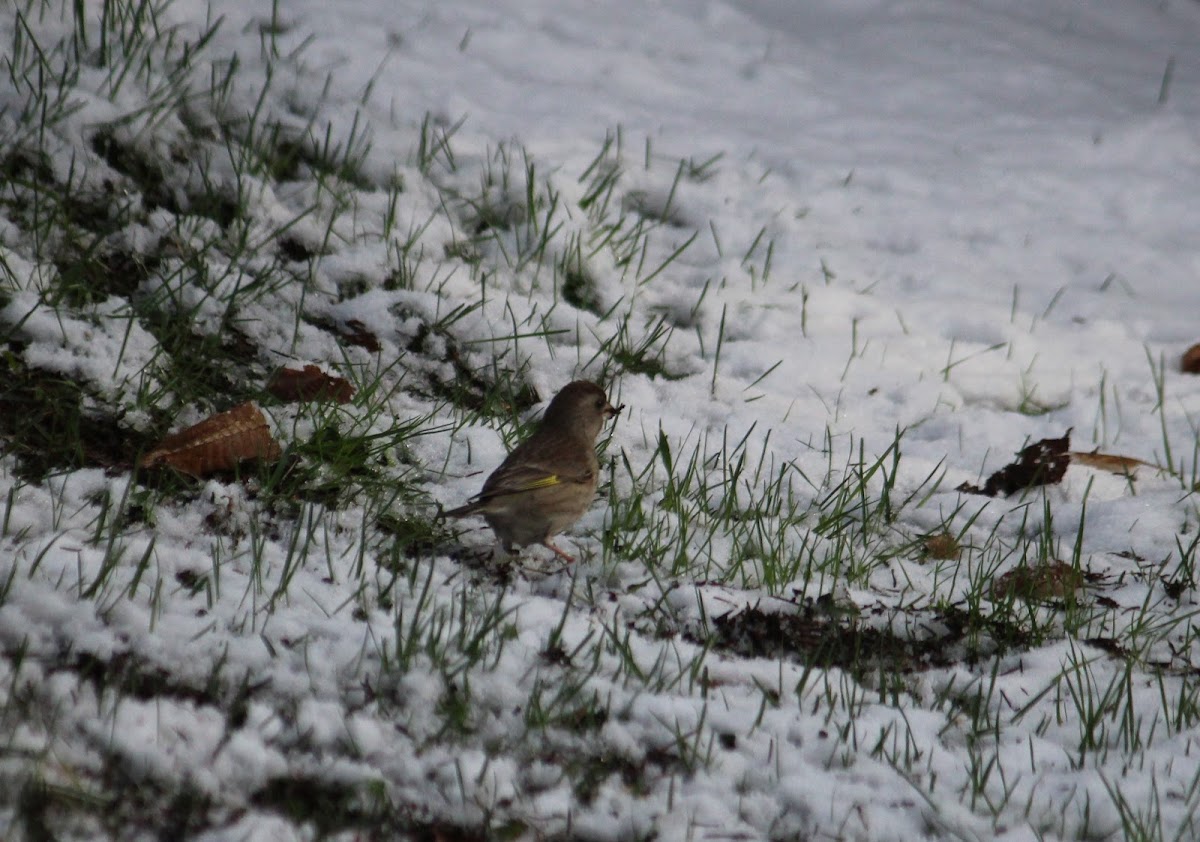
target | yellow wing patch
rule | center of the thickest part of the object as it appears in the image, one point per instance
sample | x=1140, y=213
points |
x=543, y=482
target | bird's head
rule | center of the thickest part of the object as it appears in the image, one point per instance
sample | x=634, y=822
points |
x=581, y=407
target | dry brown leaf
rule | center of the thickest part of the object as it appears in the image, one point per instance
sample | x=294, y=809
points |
x=1190, y=363
x=217, y=444
x=1111, y=462
x=291, y=385
x=942, y=546
x=1109, y=645
x=1049, y=580
x=1041, y=463
x=357, y=333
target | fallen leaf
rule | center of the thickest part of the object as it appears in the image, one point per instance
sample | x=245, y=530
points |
x=217, y=444
x=1049, y=580
x=1109, y=645
x=1111, y=462
x=356, y=333
x=291, y=385
x=942, y=545
x=1041, y=463
x=1190, y=363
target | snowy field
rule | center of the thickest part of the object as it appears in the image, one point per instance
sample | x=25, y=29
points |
x=837, y=259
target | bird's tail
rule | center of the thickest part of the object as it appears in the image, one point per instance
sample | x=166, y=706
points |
x=463, y=511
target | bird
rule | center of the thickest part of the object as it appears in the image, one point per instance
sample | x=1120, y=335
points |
x=548, y=481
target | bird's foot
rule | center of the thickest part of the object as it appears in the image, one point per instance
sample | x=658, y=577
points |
x=548, y=544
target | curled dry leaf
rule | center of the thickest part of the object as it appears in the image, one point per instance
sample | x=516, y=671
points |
x=310, y=384
x=217, y=444
x=1190, y=363
x=1041, y=463
x=1111, y=462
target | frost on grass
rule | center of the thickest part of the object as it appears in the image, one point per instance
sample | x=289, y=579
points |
x=107, y=350
x=782, y=623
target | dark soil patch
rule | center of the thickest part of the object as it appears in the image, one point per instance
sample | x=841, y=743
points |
x=825, y=641
x=44, y=422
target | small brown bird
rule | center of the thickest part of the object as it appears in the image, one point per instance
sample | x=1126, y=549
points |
x=549, y=480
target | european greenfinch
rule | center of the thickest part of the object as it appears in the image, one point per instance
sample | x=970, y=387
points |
x=548, y=481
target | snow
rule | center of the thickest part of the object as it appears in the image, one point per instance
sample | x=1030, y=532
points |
x=974, y=222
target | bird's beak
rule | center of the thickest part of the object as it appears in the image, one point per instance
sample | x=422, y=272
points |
x=611, y=411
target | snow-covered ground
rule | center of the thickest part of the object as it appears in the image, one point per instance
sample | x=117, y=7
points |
x=819, y=229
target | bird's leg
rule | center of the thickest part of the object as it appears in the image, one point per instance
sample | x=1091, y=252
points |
x=548, y=544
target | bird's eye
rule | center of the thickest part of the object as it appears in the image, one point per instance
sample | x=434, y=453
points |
x=600, y=403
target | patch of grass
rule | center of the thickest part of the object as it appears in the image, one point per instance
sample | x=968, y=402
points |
x=655, y=208
x=89, y=275
x=70, y=226
x=53, y=210
x=629, y=350
x=576, y=283
x=511, y=213
x=153, y=807
x=126, y=675
x=290, y=158
x=588, y=772
x=411, y=536
x=986, y=634
x=341, y=459
x=211, y=369
x=145, y=173
x=45, y=811
x=732, y=514
x=819, y=640
x=27, y=168
x=579, y=290
x=330, y=806
x=46, y=420
x=490, y=391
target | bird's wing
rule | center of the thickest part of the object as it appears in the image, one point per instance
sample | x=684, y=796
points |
x=516, y=478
